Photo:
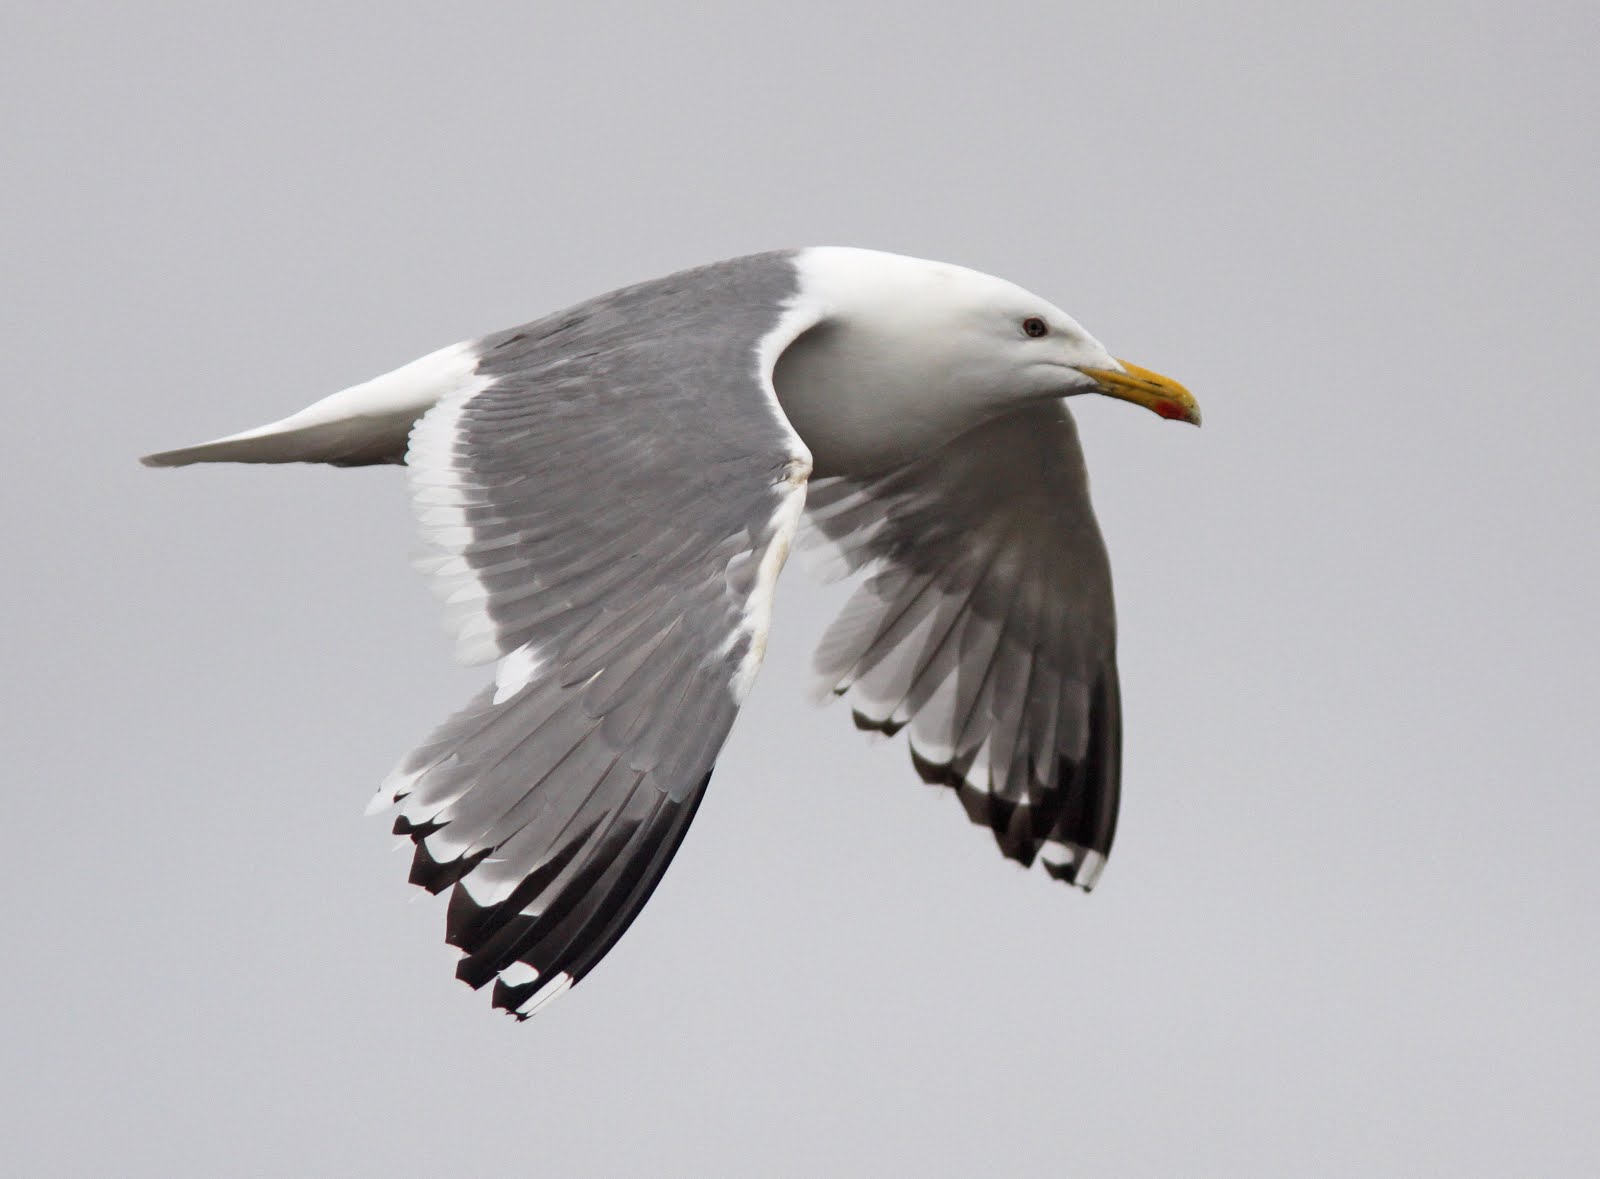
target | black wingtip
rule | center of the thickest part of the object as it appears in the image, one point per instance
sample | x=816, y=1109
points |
x=436, y=875
x=869, y=724
x=614, y=867
x=1072, y=864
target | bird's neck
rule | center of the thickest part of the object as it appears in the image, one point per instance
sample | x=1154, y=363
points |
x=860, y=410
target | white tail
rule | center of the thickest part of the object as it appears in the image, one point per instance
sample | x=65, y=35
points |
x=364, y=424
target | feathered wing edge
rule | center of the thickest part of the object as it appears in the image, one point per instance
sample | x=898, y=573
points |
x=1071, y=835
x=607, y=843
x=982, y=622
x=627, y=610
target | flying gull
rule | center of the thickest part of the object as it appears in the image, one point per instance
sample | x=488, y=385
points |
x=607, y=496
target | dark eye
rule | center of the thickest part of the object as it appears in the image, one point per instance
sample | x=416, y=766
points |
x=1034, y=326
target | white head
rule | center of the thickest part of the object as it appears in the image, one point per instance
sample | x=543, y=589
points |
x=920, y=348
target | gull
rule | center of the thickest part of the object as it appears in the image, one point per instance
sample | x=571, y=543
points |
x=606, y=497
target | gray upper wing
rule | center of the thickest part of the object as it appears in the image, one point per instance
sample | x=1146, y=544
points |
x=985, y=623
x=607, y=505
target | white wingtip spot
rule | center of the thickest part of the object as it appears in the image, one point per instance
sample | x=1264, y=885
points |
x=519, y=974
x=553, y=989
x=1057, y=855
x=1089, y=874
x=1064, y=855
x=491, y=882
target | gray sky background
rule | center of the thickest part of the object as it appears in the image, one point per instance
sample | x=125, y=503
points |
x=1349, y=926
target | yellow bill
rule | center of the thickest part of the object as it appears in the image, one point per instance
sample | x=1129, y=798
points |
x=1155, y=392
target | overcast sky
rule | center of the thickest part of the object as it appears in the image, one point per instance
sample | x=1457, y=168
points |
x=1349, y=925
